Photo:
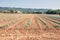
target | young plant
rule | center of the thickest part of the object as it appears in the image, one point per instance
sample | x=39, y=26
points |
x=4, y=26
x=29, y=23
x=57, y=26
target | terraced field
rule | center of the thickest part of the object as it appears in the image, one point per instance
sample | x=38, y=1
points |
x=29, y=27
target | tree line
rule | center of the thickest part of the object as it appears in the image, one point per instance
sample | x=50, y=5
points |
x=46, y=12
x=53, y=11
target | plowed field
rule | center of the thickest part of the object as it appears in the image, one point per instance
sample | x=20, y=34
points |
x=29, y=27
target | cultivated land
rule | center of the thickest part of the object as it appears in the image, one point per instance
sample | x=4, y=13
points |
x=29, y=27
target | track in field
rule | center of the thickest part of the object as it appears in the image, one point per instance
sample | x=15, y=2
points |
x=31, y=27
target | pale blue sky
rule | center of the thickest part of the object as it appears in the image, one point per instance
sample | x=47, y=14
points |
x=50, y=4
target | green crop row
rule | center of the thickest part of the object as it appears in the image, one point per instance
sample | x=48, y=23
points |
x=4, y=26
x=28, y=23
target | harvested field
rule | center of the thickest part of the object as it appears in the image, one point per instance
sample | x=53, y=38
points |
x=29, y=27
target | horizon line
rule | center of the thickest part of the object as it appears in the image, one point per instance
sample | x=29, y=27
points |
x=32, y=8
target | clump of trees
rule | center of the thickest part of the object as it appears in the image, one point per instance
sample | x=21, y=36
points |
x=32, y=12
x=10, y=11
x=53, y=12
x=37, y=12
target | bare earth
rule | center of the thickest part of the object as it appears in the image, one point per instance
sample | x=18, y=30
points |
x=19, y=27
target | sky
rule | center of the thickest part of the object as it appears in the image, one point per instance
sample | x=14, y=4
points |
x=47, y=4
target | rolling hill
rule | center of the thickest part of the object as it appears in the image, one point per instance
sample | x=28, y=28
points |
x=23, y=9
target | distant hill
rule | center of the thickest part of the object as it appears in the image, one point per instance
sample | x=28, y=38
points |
x=23, y=9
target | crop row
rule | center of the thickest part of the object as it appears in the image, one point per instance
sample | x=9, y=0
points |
x=48, y=22
x=8, y=19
